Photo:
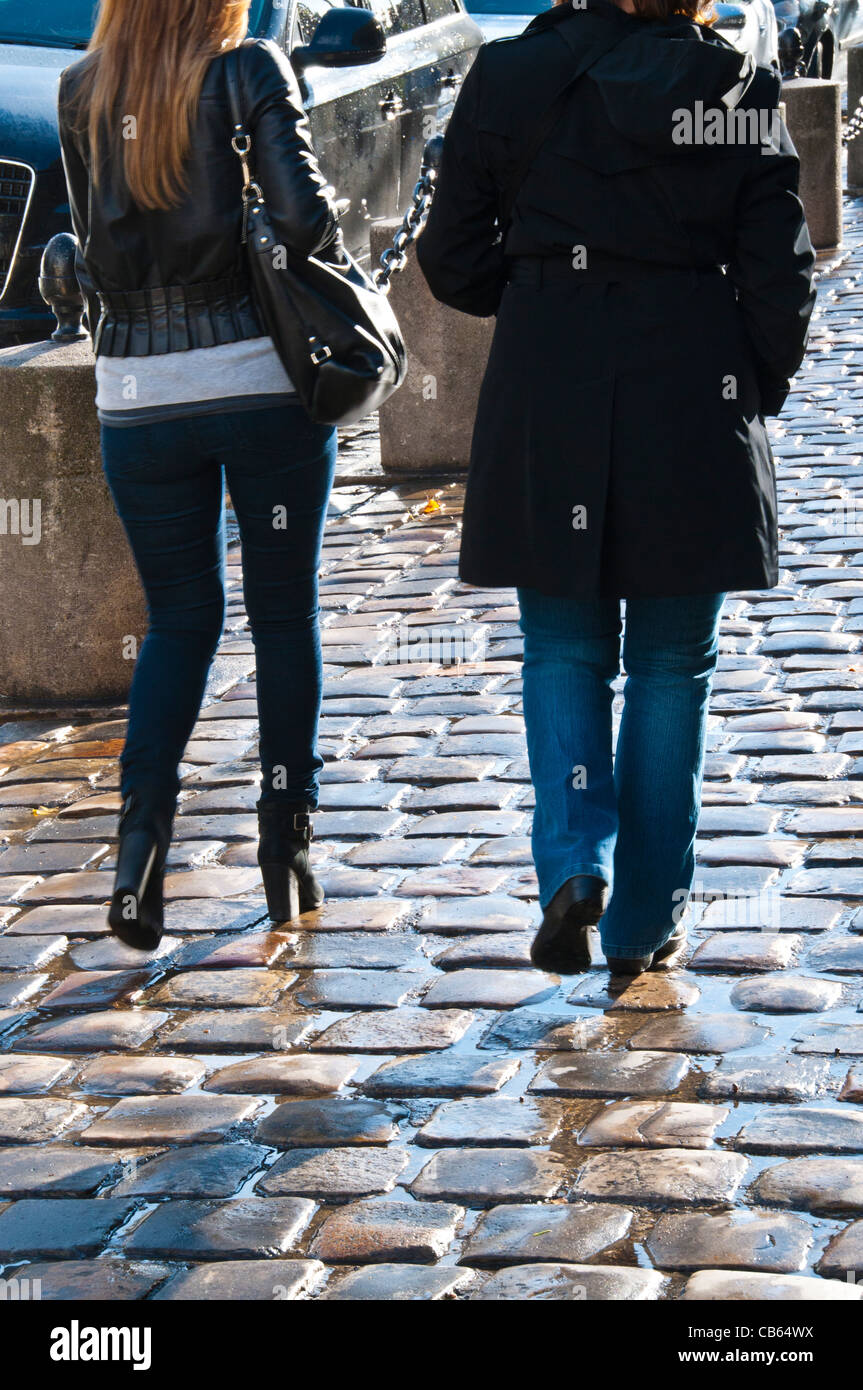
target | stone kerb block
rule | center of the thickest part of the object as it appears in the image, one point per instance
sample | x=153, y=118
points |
x=426, y=426
x=855, y=92
x=813, y=115
x=72, y=613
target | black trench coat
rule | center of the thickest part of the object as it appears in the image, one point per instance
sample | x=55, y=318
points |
x=619, y=447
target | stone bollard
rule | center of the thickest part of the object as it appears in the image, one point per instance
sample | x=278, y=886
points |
x=813, y=115
x=71, y=609
x=855, y=92
x=426, y=426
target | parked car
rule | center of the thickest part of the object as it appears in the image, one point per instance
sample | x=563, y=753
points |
x=371, y=111
x=812, y=31
x=749, y=24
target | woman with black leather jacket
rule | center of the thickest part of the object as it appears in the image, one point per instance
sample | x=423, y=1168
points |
x=190, y=388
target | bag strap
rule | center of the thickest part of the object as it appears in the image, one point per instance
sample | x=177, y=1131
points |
x=232, y=73
x=544, y=126
x=241, y=140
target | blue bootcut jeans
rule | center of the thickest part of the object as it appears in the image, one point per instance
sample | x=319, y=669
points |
x=167, y=481
x=629, y=819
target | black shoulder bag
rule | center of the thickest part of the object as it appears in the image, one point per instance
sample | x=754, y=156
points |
x=333, y=329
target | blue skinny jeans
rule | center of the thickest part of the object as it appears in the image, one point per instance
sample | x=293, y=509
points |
x=167, y=481
x=628, y=817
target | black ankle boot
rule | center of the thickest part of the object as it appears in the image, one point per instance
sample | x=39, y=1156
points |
x=561, y=944
x=136, y=914
x=285, y=833
x=636, y=965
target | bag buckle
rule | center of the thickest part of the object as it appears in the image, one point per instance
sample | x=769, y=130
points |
x=241, y=144
x=302, y=821
x=319, y=351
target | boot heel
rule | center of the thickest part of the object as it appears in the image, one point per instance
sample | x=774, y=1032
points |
x=135, y=860
x=135, y=863
x=136, y=911
x=282, y=887
x=138, y=920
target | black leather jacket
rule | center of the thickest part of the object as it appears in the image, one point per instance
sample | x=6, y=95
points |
x=165, y=281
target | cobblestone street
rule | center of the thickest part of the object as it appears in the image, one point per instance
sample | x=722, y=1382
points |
x=384, y=1100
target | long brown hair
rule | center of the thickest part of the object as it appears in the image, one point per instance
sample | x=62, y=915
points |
x=145, y=74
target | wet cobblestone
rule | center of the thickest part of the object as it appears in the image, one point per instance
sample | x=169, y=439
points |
x=385, y=1101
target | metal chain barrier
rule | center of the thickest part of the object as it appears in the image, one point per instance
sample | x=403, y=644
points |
x=395, y=258
x=854, y=125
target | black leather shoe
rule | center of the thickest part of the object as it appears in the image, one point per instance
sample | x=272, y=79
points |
x=561, y=945
x=636, y=965
x=136, y=914
x=285, y=834
x=628, y=965
x=674, y=943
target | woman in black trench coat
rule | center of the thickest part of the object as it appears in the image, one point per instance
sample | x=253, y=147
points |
x=652, y=285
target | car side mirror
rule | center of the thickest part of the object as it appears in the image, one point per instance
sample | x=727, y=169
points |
x=345, y=36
